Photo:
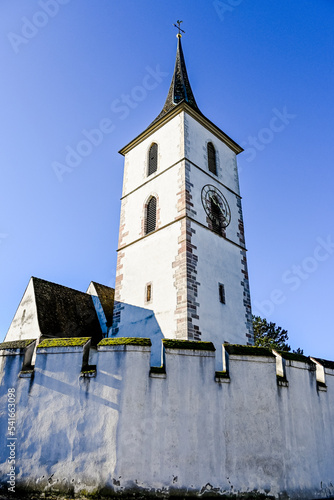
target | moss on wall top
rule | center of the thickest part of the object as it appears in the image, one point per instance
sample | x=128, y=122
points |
x=16, y=344
x=295, y=357
x=126, y=341
x=245, y=350
x=188, y=344
x=326, y=363
x=74, y=341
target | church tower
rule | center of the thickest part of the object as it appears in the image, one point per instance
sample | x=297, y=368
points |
x=181, y=267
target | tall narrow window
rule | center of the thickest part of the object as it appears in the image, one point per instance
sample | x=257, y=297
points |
x=217, y=215
x=221, y=293
x=153, y=159
x=151, y=215
x=148, y=292
x=212, y=158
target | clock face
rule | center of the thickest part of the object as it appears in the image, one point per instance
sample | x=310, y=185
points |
x=216, y=206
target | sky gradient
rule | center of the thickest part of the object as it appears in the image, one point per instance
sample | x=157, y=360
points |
x=261, y=70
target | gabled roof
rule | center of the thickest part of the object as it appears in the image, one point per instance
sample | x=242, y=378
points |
x=64, y=312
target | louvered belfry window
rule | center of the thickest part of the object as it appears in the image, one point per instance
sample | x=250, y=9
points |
x=212, y=158
x=153, y=159
x=151, y=215
x=216, y=216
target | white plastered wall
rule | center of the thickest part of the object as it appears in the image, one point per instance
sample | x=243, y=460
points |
x=197, y=137
x=150, y=261
x=219, y=262
x=165, y=187
x=25, y=323
x=170, y=150
x=128, y=431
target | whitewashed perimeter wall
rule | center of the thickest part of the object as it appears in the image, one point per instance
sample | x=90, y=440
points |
x=125, y=430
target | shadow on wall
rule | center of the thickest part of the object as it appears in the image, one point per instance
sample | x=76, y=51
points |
x=133, y=321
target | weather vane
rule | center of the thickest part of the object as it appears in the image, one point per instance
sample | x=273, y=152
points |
x=179, y=27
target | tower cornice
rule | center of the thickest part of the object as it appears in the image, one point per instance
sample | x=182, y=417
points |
x=184, y=159
x=197, y=115
x=175, y=221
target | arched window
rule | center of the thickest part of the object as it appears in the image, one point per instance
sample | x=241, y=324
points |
x=151, y=215
x=212, y=158
x=152, y=159
x=217, y=225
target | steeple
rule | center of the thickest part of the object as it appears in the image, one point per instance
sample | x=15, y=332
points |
x=181, y=265
x=180, y=89
x=181, y=98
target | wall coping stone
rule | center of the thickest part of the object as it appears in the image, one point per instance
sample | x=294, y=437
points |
x=64, y=342
x=125, y=344
x=325, y=363
x=193, y=345
x=292, y=356
x=15, y=346
x=138, y=341
x=64, y=345
x=244, y=350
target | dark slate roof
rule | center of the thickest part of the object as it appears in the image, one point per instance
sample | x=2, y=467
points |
x=64, y=312
x=180, y=89
x=106, y=296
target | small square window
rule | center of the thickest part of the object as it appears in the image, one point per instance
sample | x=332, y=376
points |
x=221, y=293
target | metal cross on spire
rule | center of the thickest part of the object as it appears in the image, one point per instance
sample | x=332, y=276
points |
x=179, y=28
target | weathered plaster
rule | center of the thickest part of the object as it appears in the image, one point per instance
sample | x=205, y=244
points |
x=127, y=431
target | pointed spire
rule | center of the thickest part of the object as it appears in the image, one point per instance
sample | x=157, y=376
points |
x=180, y=89
x=180, y=92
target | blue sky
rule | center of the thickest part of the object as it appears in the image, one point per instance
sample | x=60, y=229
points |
x=261, y=70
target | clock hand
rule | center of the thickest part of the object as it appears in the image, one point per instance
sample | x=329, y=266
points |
x=215, y=201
